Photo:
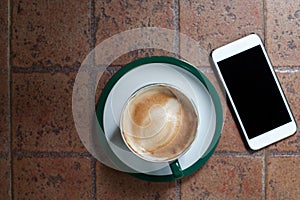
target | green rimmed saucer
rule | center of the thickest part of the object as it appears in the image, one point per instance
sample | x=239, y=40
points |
x=159, y=69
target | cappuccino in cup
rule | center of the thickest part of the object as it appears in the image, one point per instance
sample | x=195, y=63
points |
x=159, y=123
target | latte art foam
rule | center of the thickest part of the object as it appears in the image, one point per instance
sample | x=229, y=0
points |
x=158, y=123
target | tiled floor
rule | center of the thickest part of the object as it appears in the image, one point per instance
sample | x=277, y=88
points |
x=42, y=46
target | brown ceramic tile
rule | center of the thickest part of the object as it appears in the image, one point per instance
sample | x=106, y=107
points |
x=142, y=53
x=291, y=85
x=4, y=178
x=282, y=32
x=215, y=23
x=3, y=35
x=283, y=178
x=42, y=117
x=225, y=178
x=231, y=139
x=49, y=33
x=110, y=71
x=112, y=184
x=51, y=178
x=114, y=17
x=4, y=144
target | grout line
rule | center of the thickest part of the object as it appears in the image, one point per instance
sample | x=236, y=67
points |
x=46, y=69
x=176, y=48
x=92, y=43
x=293, y=69
x=43, y=154
x=264, y=22
x=275, y=153
x=9, y=86
x=258, y=154
x=93, y=176
x=75, y=67
x=264, y=175
x=239, y=154
x=92, y=40
x=206, y=69
x=176, y=24
x=178, y=189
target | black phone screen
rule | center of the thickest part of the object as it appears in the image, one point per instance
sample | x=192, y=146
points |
x=254, y=91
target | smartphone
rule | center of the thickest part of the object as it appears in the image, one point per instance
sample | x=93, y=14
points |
x=254, y=92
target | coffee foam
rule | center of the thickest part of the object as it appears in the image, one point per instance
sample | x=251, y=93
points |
x=158, y=123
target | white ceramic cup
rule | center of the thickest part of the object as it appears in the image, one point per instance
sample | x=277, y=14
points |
x=159, y=123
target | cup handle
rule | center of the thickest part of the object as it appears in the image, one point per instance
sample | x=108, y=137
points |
x=176, y=169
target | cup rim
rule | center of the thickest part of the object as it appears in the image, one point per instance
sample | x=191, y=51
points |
x=164, y=85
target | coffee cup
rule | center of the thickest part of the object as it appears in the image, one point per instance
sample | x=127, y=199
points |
x=159, y=123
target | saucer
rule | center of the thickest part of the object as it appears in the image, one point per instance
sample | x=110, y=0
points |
x=171, y=71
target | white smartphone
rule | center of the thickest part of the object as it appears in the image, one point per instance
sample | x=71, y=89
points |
x=254, y=92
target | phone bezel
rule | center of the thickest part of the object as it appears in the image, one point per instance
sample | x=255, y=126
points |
x=237, y=47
